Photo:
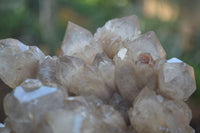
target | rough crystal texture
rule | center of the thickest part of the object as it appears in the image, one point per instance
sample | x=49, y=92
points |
x=121, y=105
x=118, y=81
x=80, y=78
x=146, y=43
x=153, y=113
x=176, y=80
x=18, y=61
x=125, y=77
x=28, y=103
x=115, y=31
x=107, y=69
x=47, y=70
x=79, y=42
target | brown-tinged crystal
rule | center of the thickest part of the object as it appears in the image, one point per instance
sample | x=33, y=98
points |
x=176, y=80
x=146, y=43
x=115, y=31
x=153, y=113
x=107, y=69
x=79, y=42
x=118, y=81
x=80, y=78
x=27, y=104
x=18, y=61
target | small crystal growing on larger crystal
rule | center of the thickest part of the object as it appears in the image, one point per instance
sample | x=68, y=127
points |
x=118, y=81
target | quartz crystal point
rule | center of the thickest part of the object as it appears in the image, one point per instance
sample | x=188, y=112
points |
x=28, y=104
x=153, y=113
x=115, y=31
x=176, y=80
x=79, y=42
x=18, y=61
x=47, y=73
x=47, y=70
x=146, y=43
x=80, y=78
x=107, y=69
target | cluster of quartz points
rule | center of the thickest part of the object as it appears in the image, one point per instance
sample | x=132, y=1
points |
x=117, y=81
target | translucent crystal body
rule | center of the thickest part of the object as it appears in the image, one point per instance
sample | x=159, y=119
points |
x=79, y=42
x=80, y=78
x=115, y=31
x=176, y=80
x=118, y=81
x=159, y=115
x=18, y=61
x=28, y=103
x=47, y=70
x=107, y=69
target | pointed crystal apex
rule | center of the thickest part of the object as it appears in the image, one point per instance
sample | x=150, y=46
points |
x=18, y=61
x=47, y=70
x=13, y=44
x=146, y=43
x=126, y=27
x=107, y=70
x=176, y=80
x=79, y=42
x=174, y=60
x=75, y=39
x=115, y=31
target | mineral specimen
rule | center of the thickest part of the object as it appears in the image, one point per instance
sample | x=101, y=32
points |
x=118, y=81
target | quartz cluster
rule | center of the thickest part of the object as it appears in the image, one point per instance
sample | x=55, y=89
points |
x=117, y=81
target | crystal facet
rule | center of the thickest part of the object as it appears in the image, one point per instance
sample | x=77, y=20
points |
x=115, y=31
x=26, y=106
x=176, y=80
x=18, y=61
x=118, y=81
x=79, y=42
x=153, y=113
x=80, y=78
